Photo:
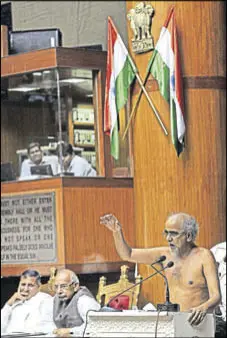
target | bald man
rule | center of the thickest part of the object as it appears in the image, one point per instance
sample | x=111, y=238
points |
x=193, y=280
x=71, y=304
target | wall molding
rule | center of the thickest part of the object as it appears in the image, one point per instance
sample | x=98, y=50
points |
x=189, y=82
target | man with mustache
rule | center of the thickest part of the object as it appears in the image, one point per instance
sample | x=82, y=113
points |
x=36, y=157
x=28, y=310
x=193, y=280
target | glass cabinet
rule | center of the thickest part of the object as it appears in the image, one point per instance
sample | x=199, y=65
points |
x=51, y=97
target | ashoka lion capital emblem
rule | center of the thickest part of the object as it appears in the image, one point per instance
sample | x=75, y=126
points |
x=140, y=19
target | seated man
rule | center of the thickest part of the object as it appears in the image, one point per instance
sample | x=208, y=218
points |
x=73, y=163
x=36, y=157
x=71, y=304
x=193, y=280
x=28, y=310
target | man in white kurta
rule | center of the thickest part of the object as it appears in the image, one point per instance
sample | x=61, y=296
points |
x=28, y=310
x=36, y=157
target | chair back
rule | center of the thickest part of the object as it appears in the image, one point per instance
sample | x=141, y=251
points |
x=49, y=286
x=107, y=292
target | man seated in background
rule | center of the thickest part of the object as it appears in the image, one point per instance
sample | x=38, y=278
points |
x=71, y=304
x=193, y=280
x=219, y=252
x=36, y=157
x=73, y=163
x=28, y=310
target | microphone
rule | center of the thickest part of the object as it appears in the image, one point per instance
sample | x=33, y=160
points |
x=161, y=259
x=107, y=308
x=167, y=306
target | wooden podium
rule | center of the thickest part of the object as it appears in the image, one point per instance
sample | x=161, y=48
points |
x=55, y=223
x=135, y=323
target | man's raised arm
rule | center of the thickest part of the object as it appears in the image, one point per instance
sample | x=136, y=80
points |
x=112, y=223
x=127, y=253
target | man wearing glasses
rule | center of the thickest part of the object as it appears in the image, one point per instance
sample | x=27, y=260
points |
x=71, y=304
x=28, y=310
x=193, y=280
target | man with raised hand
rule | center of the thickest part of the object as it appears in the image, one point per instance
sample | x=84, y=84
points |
x=193, y=280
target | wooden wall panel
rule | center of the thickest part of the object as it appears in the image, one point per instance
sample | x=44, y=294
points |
x=201, y=32
x=196, y=182
x=83, y=244
x=85, y=239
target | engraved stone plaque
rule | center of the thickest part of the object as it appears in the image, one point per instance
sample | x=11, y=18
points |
x=28, y=229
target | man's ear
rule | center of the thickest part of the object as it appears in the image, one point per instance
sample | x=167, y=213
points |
x=189, y=237
x=76, y=287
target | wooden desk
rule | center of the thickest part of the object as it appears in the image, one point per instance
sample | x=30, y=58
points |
x=82, y=245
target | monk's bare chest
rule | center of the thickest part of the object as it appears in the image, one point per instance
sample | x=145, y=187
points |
x=186, y=272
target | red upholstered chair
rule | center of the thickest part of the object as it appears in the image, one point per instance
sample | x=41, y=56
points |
x=129, y=299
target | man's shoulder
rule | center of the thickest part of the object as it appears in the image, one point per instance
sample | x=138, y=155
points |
x=43, y=296
x=202, y=250
x=26, y=161
x=50, y=158
x=204, y=254
x=79, y=159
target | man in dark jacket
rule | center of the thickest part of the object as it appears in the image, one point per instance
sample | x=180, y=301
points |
x=71, y=304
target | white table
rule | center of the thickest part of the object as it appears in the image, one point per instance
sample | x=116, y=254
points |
x=135, y=323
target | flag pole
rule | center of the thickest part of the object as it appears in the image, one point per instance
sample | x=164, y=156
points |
x=141, y=84
x=145, y=80
x=133, y=113
x=150, y=102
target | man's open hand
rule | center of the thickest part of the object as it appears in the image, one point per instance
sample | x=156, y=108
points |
x=197, y=315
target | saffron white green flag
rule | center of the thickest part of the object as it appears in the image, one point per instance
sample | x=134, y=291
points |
x=165, y=68
x=120, y=73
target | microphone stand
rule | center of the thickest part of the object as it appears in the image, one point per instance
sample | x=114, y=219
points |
x=167, y=306
x=119, y=294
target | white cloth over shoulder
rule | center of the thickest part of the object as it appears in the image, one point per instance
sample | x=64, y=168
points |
x=219, y=252
x=32, y=315
x=222, y=278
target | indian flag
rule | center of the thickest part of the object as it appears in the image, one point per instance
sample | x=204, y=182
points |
x=120, y=73
x=165, y=68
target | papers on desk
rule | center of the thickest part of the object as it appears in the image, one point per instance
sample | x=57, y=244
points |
x=149, y=307
x=23, y=334
x=33, y=177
